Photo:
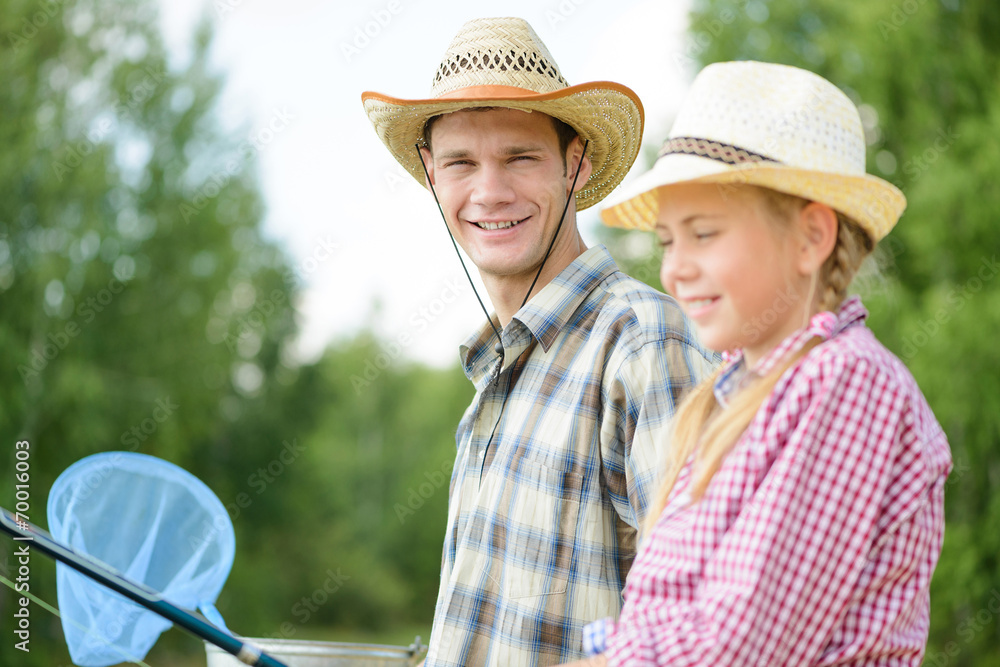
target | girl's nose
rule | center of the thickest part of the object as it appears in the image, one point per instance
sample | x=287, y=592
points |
x=678, y=265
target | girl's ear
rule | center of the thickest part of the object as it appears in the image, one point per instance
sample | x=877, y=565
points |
x=817, y=226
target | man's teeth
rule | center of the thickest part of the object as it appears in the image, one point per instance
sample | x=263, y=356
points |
x=497, y=225
x=699, y=303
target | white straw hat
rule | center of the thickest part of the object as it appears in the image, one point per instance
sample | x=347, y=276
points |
x=769, y=125
x=501, y=62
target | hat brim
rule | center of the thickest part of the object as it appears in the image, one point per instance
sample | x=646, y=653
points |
x=607, y=114
x=873, y=203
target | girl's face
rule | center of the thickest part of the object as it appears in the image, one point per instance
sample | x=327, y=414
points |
x=734, y=271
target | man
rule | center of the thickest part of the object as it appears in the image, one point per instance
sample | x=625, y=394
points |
x=578, y=371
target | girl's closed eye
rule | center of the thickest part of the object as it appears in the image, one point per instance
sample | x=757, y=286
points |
x=705, y=233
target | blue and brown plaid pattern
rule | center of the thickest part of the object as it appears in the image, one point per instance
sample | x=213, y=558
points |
x=541, y=523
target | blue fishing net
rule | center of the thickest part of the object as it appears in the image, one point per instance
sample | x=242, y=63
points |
x=155, y=523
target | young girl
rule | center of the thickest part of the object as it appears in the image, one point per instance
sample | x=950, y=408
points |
x=802, y=510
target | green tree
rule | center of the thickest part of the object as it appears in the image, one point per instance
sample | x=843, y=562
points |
x=142, y=308
x=362, y=512
x=144, y=311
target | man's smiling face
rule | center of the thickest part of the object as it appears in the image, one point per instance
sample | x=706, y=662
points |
x=502, y=183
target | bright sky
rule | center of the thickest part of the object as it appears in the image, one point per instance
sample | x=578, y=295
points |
x=300, y=66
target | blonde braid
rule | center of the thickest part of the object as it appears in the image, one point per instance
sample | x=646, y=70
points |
x=852, y=246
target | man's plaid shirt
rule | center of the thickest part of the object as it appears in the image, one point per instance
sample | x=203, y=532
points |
x=541, y=523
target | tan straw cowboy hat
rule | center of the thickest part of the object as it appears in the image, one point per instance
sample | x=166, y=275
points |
x=501, y=62
x=769, y=125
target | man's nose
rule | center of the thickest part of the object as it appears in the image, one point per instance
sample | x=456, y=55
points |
x=492, y=187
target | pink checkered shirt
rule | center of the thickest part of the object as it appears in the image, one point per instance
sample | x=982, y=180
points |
x=817, y=538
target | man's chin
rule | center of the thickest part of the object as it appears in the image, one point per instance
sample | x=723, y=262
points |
x=507, y=268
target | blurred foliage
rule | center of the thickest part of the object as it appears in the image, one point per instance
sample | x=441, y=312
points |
x=144, y=311
x=926, y=75
x=131, y=263
x=362, y=507
x=133, y=275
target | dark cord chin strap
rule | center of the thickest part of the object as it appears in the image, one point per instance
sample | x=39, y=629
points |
x=454, y=243
x=572, y=193
x=499, y=345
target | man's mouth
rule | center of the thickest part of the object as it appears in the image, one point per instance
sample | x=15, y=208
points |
x=504, y=224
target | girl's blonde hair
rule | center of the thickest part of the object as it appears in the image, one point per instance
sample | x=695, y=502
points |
x=701, y=427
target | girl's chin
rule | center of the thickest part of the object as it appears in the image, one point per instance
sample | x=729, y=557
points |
x=716, y=343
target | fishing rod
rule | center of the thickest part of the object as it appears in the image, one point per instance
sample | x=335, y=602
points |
x=39, y=539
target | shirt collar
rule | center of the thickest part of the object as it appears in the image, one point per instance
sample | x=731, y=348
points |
x=541, y=319
x=825, y=325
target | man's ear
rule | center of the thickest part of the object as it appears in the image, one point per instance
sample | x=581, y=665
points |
x=817, y=227
x=425, y=153
x=574, y=152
